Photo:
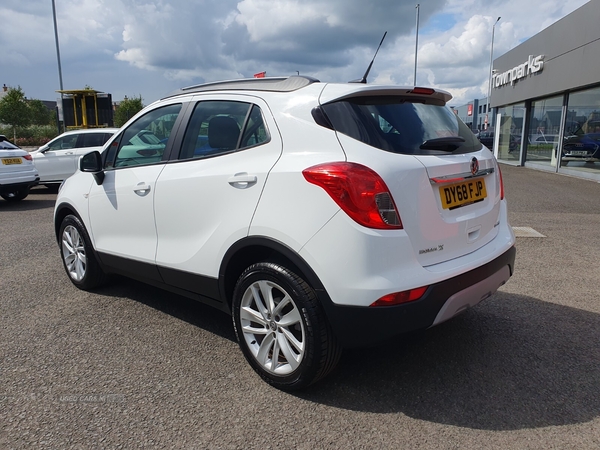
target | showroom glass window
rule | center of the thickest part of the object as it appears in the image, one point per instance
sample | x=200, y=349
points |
x=510, y=127
x=544, y=130
x=145, y=140
x=581, y=145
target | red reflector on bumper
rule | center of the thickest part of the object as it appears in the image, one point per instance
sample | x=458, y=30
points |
x=398, y=298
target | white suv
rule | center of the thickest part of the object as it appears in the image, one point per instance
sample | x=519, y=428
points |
x=58, y=159
x=17, y=172
x=320, y=216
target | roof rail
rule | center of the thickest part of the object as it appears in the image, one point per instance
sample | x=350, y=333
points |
x=271, y=84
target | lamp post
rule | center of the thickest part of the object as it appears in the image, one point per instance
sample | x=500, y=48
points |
x=416, y=44
x=60, y=79
x=487, y=106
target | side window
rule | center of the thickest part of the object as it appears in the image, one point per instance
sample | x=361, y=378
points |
x=92, y=139
x=65, y=142
x=384, y=125
x=144, y=141
x=218, y=127
x=255, y=131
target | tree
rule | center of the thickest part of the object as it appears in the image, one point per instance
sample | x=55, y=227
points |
x=127, y=109
x=14, y=110
x=40, y=114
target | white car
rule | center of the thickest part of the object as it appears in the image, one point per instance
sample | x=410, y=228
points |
x=17, y=172
x=57, y=160
x=319, y=215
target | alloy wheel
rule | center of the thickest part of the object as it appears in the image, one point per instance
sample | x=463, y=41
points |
x=272, y=327
x=73, y=251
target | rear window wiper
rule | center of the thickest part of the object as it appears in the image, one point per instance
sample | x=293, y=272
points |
x=445, y=144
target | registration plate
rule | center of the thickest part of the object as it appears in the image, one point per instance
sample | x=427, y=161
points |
x=8, y=161
x=578, y=152
x=463, y=193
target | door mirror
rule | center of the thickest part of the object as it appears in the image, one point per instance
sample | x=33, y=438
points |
x=92, y=162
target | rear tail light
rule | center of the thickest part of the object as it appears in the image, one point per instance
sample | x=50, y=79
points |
x=28, y=157
x=397, y=298
x=359, y=191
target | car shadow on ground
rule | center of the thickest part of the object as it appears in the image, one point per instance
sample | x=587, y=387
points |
x=28, y=204
x=513, y=362
x=190, y=311
x=39, y=197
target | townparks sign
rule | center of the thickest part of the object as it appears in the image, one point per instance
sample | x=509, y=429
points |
x=531, y=66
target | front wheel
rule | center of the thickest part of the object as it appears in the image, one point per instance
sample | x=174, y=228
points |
x=78, y=256
x=281, y=327
x=16, y=195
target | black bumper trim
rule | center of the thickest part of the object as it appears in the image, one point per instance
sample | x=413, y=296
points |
x=365, y=326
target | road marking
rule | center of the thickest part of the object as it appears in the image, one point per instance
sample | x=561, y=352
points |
x=527, y=232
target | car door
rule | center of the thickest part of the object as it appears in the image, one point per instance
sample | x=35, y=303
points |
x=121, y=209
x=205, y=201
x=58, y=160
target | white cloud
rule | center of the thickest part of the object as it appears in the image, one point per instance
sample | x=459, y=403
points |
x=282, y=15
x=150, y=47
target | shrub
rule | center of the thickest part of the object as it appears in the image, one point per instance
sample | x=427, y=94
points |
x=31, y=136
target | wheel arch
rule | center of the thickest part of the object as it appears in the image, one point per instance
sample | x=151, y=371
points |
x=62, y=211
x=256, y=249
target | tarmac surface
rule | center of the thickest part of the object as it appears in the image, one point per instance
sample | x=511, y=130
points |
x=130, y=366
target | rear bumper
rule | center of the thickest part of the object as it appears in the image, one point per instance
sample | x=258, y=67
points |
x=357, y=326
x=7, y=188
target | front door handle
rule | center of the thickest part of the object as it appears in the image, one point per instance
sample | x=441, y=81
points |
x=142, y=189
x=242, y=180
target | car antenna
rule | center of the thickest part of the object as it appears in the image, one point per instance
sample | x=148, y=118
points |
x=364, y=78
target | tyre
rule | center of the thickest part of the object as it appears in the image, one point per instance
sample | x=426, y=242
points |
x=16, y=196
x=281, y=327
x=78, y=256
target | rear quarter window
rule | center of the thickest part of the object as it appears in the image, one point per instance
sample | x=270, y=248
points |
x=400, y=125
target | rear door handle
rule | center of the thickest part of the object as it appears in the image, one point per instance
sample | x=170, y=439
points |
x=242, y=180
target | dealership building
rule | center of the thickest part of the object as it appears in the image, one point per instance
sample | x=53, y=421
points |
x=545, y=98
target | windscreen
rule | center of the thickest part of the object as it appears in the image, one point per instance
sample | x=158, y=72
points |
x=400, y=125
x=5, y=144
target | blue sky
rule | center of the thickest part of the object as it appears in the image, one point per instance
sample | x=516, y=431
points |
x=152, y=47
x=438, y=23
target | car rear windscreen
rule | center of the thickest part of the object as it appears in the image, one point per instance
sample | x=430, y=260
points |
x=401, y=125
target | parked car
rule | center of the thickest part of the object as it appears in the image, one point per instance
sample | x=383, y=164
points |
x=58, y=159
x=584, y=147
x=486, y=137
x=543, y=139
x=320, y=216
x=17, y=172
